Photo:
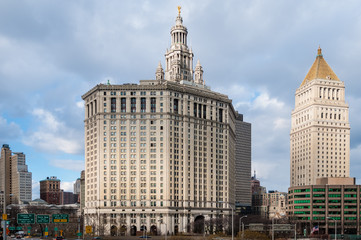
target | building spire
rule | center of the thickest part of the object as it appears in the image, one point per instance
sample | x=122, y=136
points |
x=320, y=70
x=198, y=74
x=319, y=52
x=159, y=74
x=179, y=58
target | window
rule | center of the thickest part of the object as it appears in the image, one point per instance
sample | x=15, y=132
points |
x=153, y=105
x=133, y=104
x=143, y=104
x=112, y=104
x=123, y=103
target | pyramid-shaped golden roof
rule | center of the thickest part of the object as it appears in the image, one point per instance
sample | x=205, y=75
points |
x=320, y=70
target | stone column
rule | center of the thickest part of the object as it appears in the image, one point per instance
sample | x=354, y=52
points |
x=128, y=225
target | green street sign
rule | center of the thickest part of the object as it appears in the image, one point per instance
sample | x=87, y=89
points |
x=29, y=228
x=26, y=218
x=19, y=228
x=55, y=229
x=78, y=234
x=42, y=218
x=60, y=218
x=11, y=228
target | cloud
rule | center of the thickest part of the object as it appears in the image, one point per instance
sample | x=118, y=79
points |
x=270, y=119
x=67, y=186
x=9, y=130
x=257, y=52
x=80, y=104
x=35, y=189
x=264, y=102
x=74, y=165
x=52, y=135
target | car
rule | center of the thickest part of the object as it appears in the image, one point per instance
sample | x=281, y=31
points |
x=59, y=238
x=97, y=238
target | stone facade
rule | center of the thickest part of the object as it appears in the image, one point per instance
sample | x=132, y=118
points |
x=15, y=178
x=320, y=132
x=243, y=163
x=160, y=154
x=50, y=190
x=21, y=179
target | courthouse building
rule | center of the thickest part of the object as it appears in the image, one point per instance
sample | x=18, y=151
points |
x=160, y=155
x=320, y=132
x=322, y=193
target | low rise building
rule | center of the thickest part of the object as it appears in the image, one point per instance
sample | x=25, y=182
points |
x=274, y=204
x=50, y=190
x=330, y=201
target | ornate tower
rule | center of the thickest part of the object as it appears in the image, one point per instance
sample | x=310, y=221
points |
x=159, y=73
x=179, y=58
x=320, y=131
x=198, y=74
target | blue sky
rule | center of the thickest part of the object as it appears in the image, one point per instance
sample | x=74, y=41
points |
x=256, y=51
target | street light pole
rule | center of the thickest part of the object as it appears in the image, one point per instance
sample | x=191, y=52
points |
x=232, y=223
x=273, y=231
x=240, y=225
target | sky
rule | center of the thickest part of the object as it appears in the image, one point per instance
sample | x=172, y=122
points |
x=255, y=51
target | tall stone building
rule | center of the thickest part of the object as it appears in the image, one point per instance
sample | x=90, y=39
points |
x=15, y=179
x=21, y=179
x=82, y=190
x=50, y=190
x=160, y=155
x=320, y=132
x=5, y=173
x=243, y=197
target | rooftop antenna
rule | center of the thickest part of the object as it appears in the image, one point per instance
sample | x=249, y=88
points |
x=108, y=82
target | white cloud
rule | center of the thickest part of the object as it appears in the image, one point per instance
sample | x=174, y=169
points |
x=67, y=186
x=263, y=101
x=80, y=104
x=53, y=135
x=281, y=123
x=35, y=189
x=75, y=165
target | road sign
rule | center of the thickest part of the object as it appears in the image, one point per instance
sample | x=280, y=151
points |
x=5, y=217
x=26, y=218
x=42, y=218
x=11, y=228
x=88, y=229
x=19, y=228
x=60, y=218
x=55, y=229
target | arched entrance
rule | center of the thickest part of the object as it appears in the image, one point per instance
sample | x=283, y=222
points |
x=123, y=230
x=113, y=231
x=175, y=229
x=143, y=228
x=133, y=230
x=153, y=230
x=198, y=225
